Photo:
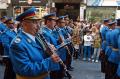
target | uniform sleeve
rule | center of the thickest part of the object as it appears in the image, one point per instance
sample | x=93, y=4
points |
x=119, y=43
x=107, y=39
x=50, y=39
x=6, y=42
x=103, y=34
x=24, y=66
x=114, y=37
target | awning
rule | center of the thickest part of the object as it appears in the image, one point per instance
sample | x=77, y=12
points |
x=103, y=2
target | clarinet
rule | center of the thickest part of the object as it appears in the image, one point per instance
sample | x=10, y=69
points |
x=62, y=41
x=52, y=52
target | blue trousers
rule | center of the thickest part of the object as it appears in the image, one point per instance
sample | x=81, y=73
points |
x=87, y=51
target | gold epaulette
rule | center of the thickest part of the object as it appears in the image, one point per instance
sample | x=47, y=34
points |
x=41, y=76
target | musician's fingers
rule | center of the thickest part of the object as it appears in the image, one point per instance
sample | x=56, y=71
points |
x=55, y=57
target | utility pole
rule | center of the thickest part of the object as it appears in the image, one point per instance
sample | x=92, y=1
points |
x=10, y=9
x=49, y=6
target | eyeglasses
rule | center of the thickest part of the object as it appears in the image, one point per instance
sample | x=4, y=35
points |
x=51, y=19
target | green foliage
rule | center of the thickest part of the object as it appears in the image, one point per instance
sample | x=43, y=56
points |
x=94, y=19
x=95, y=14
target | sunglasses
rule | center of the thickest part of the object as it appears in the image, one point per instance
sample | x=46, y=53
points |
x=51, y=19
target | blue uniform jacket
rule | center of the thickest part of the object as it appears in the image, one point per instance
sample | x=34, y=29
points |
x=52, y=38
x=103, y=34
x=2, y=28
x=28, y=57
x=118, y=70
x=63, y=33
x=6, y=38
x=119, y=41
x=114, y=57
x=108, y=43
x=69, y=30
x=65, y=36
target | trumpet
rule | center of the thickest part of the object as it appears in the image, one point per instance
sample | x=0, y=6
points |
x=48, y=48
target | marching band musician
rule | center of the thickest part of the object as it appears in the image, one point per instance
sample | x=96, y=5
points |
x=103, y=45
x=6, y=38
x=51, y=35
x=67, y=26
x=109, y=49
x=27, y=55
x=114, y=57
x=2, y=23
x=118, y=70
x=66, y=37
x=2, y=28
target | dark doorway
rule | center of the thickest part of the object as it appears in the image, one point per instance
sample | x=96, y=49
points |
x=71, y=9
x=3, y=13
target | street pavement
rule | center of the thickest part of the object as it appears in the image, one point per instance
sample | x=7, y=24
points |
x=2, y=68
x=82, y=70
x=86, y=70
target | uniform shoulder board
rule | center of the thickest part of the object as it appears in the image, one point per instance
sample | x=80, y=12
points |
x=17, y=40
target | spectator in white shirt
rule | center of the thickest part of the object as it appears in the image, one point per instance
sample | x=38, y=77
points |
x=87, y=46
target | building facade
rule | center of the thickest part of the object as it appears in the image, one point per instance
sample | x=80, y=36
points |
x=97, y=10
x=3, y=7
x=61, y=7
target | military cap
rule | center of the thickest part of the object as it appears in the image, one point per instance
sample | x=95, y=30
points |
x=9, y=21
x=66, y=17
x=17, y=7
x=111, y=23
x=106, y=20
x=61, y=17
x=50, y=16
x=118, y=21
x=28, y=14
x=4, y=17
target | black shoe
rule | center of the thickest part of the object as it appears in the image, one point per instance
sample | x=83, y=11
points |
x=71, y=67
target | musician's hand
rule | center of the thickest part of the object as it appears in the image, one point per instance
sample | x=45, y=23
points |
x=55, y=58
x=52, y=47
x=69, y=39
x=62, y=44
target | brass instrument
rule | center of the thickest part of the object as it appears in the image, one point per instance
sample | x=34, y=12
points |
x=41, y=37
